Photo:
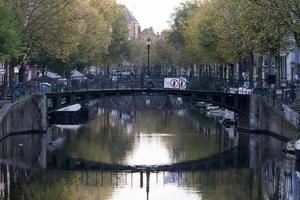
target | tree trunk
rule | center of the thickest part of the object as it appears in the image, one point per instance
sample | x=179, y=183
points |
x=200, y=70
x=6, y=75
x=225, y=72
x=269, y=64
x=240, y=70
x=221, y=71
x=297, y=38
x=259, y=70
x=12, y=64
x=231, y=73
x=251, y=67
x=4, y=79
x=278, y=71
x=22, y=73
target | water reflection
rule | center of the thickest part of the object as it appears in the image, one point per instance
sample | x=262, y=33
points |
x=25, y=151
x=281, y=180
x=256, y=169
x=148, y=138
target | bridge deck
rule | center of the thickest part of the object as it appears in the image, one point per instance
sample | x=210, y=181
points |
x=236, y=102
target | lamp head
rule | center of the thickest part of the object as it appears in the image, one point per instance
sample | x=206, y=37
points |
x=148, y=42
x=293, y=64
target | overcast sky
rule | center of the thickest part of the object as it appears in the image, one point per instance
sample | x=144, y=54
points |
x=155, y=13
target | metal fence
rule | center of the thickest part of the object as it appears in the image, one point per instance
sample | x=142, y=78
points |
x=291, y=116
x=47, y=85
x=279, y=99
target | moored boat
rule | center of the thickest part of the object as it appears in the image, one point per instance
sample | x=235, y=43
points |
x=216, y=113
x=211, y=107
x=201, y=104
x=229, y=119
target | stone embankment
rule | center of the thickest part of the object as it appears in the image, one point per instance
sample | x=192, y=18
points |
x=26, y=116
x=29, y=116
x=266, y=118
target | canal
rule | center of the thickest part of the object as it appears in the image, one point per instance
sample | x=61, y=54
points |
x=216, y=162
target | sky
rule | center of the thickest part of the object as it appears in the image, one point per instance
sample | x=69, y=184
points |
x=152, y=13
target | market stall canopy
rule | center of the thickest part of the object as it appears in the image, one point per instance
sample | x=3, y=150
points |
x=75, y=74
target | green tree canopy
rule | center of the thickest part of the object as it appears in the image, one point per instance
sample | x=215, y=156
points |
x=222, y=31
x=10, y=39
x=288, y=11
x=67, y=34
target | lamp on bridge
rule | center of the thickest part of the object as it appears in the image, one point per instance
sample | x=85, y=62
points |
x=148, y=49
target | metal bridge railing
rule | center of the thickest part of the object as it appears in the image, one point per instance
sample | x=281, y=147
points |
x=290, y=115
x=46, y=85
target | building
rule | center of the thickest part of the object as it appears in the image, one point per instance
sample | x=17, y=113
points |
x=285, y=72
x=290, y=63
x=133, y=25
x=148, y=33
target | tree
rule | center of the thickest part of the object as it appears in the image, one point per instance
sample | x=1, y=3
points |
x=163, y=52
x=288, y=11
x=137, y=52
x=67, y=34
x=104, y=35
x=95, y=36
x=245, y=29
x=118, y=49
x=49, y=28
x=48, y=25
x=10, y=40
x=179, y=20
x=224, y=32
x=201, y=37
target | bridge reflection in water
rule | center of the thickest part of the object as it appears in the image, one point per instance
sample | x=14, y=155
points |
x=240, y=166
x=233, y=159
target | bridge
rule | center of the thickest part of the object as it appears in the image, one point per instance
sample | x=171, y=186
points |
x=80, y=90
x=236, y=102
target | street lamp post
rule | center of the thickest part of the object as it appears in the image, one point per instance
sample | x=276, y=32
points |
x=148, y=49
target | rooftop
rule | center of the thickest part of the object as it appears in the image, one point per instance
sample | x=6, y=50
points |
x=129, y=15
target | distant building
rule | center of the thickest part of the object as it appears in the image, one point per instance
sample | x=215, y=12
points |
x=148, y=33
x=290, y=60
x=133, y=25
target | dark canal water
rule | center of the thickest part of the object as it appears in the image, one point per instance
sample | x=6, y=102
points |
x=236, y=166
